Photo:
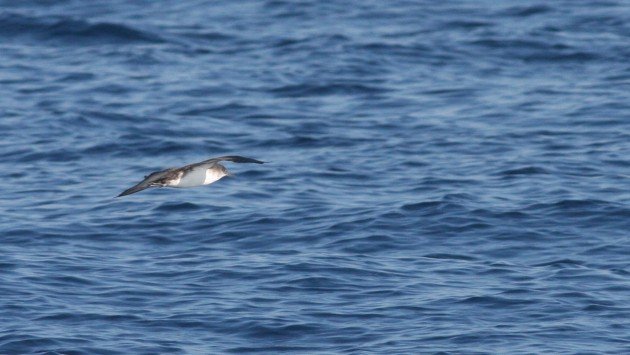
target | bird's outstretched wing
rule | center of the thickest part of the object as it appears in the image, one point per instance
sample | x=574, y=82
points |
x=149, y=181
x=232, y=158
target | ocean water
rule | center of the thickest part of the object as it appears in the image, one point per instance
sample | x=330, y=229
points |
x=443, y=177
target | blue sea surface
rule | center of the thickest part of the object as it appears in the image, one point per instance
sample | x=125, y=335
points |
x=444, y=177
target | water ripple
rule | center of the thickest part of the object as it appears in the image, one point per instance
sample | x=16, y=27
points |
x=70, y=31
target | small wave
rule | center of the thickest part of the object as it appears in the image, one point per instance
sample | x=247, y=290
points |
x=305, y=141
x=432, y=207
x=398, y=50
x=561, y=263
x=580, y=207
x=222, y=111
x=345, y=88
x=209, y=36
x=180, y=207
x=494, y=301
x=466, y=24
x=450, y=92
x=282, y=331
x=317, y=283
x=448, y=256
x=265, y=348
x=16, y=344
x=535, y=51
x=57, y=155
x=77, y=77
x=366, y=245
x=68, y=280
x=528, y=170
x=526, y=11
x=602, y=308
x=82, y=317
x=572, y=56
x=494, y=43
x=71, y=31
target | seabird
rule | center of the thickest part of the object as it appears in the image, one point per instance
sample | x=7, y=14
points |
x=197, y=174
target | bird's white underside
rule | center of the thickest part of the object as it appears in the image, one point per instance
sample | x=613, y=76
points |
x=198, y=177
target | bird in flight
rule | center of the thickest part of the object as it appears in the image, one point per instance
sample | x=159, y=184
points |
x=197, y=174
